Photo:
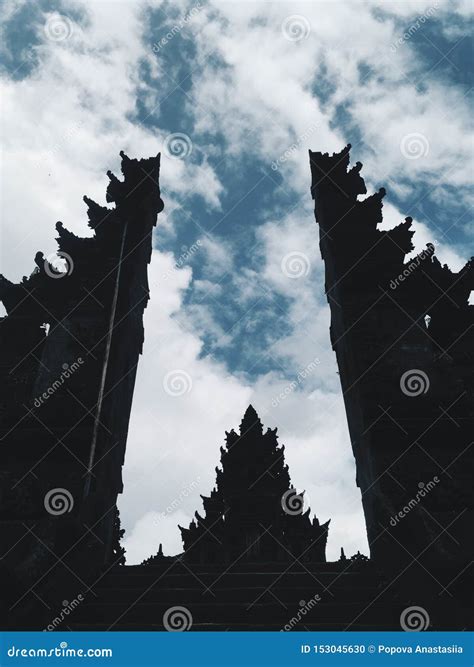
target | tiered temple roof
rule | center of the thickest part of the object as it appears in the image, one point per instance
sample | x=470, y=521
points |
x=254, y=513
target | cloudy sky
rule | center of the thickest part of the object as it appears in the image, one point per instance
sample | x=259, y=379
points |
x=233, y=94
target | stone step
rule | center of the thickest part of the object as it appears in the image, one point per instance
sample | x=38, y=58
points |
x=178, y=567
x=137, y=597
x=210, y=612
x=239, y=627
x=245, y=566
x=198, y=593
x=265, y=578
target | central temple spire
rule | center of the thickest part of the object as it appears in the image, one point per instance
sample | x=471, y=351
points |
x=250, y=421
x=254, y=513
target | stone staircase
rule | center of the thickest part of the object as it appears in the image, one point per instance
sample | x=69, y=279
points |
x=335, y=596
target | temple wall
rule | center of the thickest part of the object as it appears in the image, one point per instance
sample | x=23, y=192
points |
x=402, y=331
x=66, y=394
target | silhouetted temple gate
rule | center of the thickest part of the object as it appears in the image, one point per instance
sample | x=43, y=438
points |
x=69, y=348
x=403, y=335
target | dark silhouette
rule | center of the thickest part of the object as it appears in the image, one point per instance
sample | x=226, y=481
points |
x=403, y=335
x=69, y=348
x=254, y=514
x=118, y=551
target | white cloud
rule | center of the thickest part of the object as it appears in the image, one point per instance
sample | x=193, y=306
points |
x=276, y=89
x=65, y=123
